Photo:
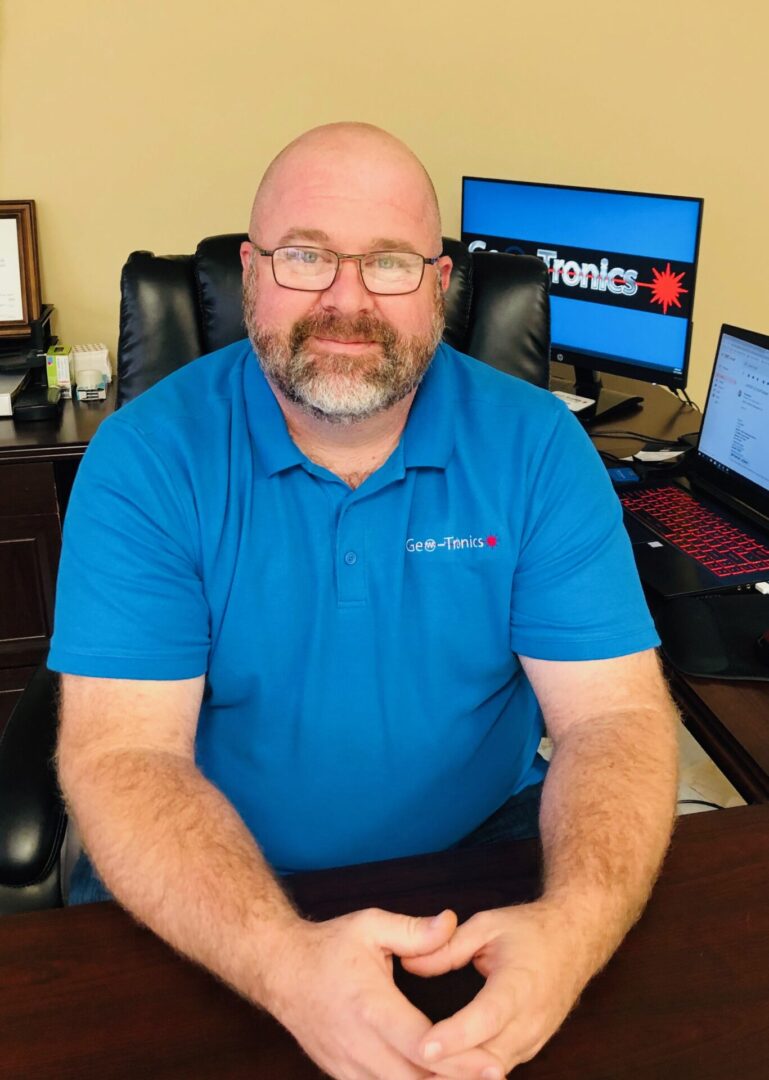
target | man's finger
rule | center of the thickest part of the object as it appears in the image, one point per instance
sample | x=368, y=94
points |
x=517, y=1045
x=386, y=1061
x=392, y=1016
x=403, y=1026
x=407, y=935
x=486, y=1016
x=435, y=963
x=455, y=953
x=480, y=1064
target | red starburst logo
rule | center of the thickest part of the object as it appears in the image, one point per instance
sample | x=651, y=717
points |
x=491, y=541
x=666, y=287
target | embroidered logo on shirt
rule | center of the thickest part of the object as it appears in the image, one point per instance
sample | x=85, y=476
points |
x=452, y=543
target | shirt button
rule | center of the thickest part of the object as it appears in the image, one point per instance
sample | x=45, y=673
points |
x=350, y=558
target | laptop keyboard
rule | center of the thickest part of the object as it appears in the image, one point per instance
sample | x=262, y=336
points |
x=718, y=545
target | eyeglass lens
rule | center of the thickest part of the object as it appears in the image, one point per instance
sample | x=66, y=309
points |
x=311, y=268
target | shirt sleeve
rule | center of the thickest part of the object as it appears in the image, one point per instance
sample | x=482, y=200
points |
x=576, y=593
x=130, y=600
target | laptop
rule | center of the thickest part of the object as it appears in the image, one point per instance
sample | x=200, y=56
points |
x=710, y=532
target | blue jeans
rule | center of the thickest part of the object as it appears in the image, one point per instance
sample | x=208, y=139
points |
x=85, y=887
x=517, y=819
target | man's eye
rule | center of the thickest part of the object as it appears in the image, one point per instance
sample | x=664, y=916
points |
x=302, y=255
x=389, y=260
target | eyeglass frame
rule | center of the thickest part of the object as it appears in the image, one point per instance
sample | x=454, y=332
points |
x=339, y=258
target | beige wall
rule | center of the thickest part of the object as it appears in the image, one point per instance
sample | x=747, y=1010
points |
x=145, y=123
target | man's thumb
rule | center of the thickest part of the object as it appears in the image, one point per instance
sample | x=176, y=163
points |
x=408, y=935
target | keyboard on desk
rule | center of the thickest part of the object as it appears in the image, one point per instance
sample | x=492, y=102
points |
x=720, y=546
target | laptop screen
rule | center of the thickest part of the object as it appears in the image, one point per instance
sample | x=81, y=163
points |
x=735, y=428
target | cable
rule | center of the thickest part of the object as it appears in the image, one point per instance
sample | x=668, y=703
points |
x=670, y=444
x=701, y=802
x=688, y=400
x=681, y=396
x=611, y=459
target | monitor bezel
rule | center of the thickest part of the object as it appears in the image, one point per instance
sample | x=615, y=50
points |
x=613, y=364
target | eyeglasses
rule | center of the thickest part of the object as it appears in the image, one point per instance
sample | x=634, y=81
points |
x=313, y=269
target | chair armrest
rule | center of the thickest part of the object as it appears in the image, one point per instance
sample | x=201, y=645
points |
x=32, y=815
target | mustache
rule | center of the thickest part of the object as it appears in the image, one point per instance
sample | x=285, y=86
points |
x=326, y=324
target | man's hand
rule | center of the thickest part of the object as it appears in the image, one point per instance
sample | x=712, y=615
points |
x=331, y=986
x=534, y=972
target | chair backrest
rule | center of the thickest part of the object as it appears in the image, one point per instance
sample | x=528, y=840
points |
x=175, y=308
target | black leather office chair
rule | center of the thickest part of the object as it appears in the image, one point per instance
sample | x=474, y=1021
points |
x=174, y=309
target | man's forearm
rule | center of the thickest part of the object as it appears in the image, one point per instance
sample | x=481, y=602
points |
x=608, y=808
x=173, y=850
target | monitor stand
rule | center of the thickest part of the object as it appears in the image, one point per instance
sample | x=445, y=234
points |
x=609, y=404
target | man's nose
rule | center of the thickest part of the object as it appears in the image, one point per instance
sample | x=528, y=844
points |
x=348, y=293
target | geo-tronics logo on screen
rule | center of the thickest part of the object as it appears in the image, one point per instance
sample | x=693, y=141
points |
x=665, y=288
x=628, y=281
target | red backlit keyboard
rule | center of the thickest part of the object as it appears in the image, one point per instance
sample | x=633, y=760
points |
x=718, y=545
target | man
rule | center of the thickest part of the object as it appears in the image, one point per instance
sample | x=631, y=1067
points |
x=282, y=672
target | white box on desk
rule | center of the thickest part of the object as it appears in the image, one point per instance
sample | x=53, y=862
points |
x=91, y=358
x=91, y=385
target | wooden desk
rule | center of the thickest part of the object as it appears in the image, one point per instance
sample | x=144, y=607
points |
x=86, y=993
x=38, y=462
x=730, y=720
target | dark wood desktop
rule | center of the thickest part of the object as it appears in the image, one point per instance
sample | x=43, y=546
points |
x=87, y=993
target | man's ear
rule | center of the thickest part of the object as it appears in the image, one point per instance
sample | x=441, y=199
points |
x=445, y=266
x=246, y=254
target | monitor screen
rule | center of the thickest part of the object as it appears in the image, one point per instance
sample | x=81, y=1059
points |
x=622, y=268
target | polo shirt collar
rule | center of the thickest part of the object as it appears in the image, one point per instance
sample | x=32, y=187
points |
x=276, y=448
x=428, y=438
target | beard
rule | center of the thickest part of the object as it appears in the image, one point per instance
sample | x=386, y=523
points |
x=337, y=387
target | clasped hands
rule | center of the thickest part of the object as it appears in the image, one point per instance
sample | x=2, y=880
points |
x=335, y=993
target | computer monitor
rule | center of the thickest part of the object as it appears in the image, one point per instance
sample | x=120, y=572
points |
x=622, y=269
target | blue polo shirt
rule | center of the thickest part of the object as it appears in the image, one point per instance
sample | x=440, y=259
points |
x=364, y=697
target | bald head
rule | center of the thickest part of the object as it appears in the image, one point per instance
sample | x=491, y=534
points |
x=352, y=158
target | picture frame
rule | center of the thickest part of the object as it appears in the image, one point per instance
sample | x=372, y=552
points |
x=20, y=302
